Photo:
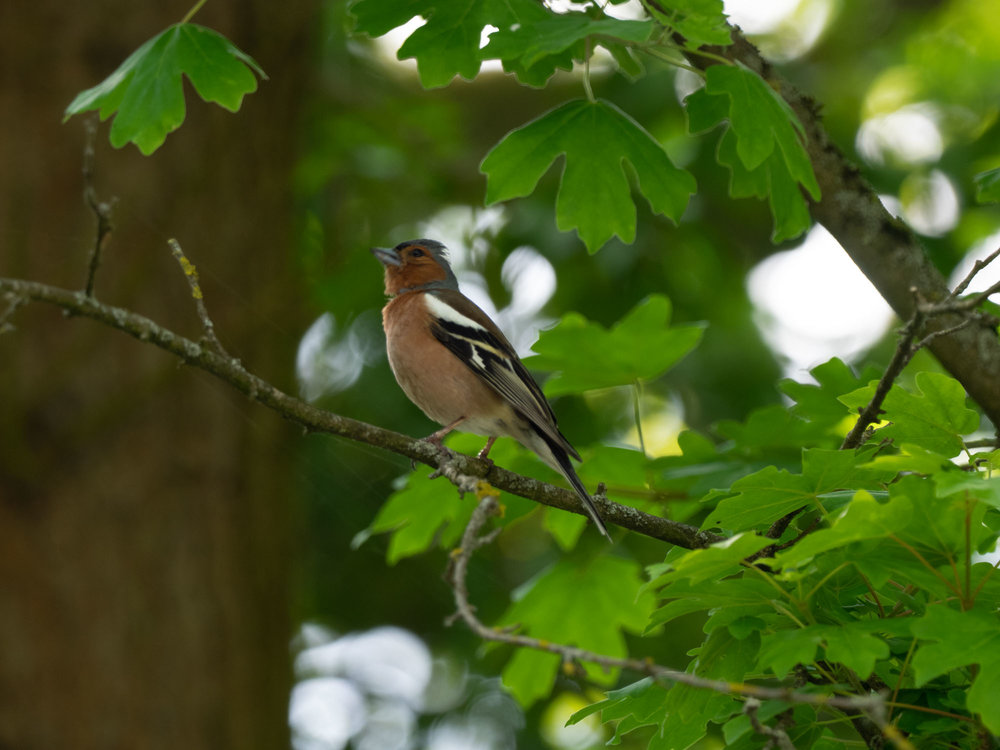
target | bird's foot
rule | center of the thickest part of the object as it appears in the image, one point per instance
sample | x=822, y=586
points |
x=445, y=456
x=484, y=454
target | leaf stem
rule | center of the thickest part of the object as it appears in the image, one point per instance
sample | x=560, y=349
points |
x=637, y=412
x=719, y=59
x=586, y=72
x=968, y=601
x=826, y=578
x=902, y=674
x=956, y=589
x=195, y=9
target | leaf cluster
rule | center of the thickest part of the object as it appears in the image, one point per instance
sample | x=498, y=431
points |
x=862, y=592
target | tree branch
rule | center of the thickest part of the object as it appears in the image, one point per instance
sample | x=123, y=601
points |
x=102, y=210
x=206, y=357
x=886, y=250
x=908, y=344
x=473, y=538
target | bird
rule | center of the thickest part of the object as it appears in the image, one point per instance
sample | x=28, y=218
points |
x=456, y=365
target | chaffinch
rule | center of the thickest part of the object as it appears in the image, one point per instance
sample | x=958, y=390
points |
x=455, y=364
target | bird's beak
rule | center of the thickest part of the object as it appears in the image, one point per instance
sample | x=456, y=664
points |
x=387, y=257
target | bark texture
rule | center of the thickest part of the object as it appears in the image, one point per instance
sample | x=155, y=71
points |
x=144, y=520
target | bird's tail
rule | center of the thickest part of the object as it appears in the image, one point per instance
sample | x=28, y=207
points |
x=565, y=467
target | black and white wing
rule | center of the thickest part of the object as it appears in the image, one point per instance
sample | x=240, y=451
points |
x=472, y=337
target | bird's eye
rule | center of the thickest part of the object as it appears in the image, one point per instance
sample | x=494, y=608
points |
x=416, y=253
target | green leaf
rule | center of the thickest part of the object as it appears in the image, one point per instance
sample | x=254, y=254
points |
x=565, y=528
x=417, y=514
x=935, y=417
x=586, y=604
x=714, y=562
x=771, y=427
x=680, y=714
x=640, y=346
x=864, y=518
x=686, y=711
x=988, y=186
x=426, y=513
x=594, y=197
x=448, y=43
x=979, y=644
x=529, y=675
x=641, y=699
x=762, y=498
x=445, y=46
x=628, y=65
x=763, y=145
x=700, y=22
x=767, y=495
x=978, y=486
x=943, y=526
x=781, y=651
x=927, y=532
x=854, y=646
x=742, y=596
x=523, y=46
x=146, y=92
x=614, y=466
x=820, y=402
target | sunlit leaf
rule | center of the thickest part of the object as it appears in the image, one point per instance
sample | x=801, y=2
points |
x=534, y=49
x=935, y=417
x=447, y=45
x=699, y=22
x=820, y=401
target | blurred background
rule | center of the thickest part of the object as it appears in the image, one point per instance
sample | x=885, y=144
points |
x=180, y=568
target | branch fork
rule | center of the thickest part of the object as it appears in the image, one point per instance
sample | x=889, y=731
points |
x=474, y=538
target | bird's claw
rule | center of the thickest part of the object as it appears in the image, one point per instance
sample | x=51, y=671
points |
x=445, y=455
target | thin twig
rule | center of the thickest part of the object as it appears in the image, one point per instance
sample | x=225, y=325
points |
x=942, y=332
x=102, y=210
x=775, y=736
x=983, y=443
x=473, y=538
x=14, y=301
x=978, y=266
x=971, y=302
x=906, y=348
x=870, y=413
x=191, y=274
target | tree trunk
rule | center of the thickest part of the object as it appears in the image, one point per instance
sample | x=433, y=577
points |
x=144, y=509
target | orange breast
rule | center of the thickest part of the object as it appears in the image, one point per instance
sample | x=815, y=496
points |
x=431, y=376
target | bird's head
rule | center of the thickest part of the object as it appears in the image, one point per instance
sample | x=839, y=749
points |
x=415, y=265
